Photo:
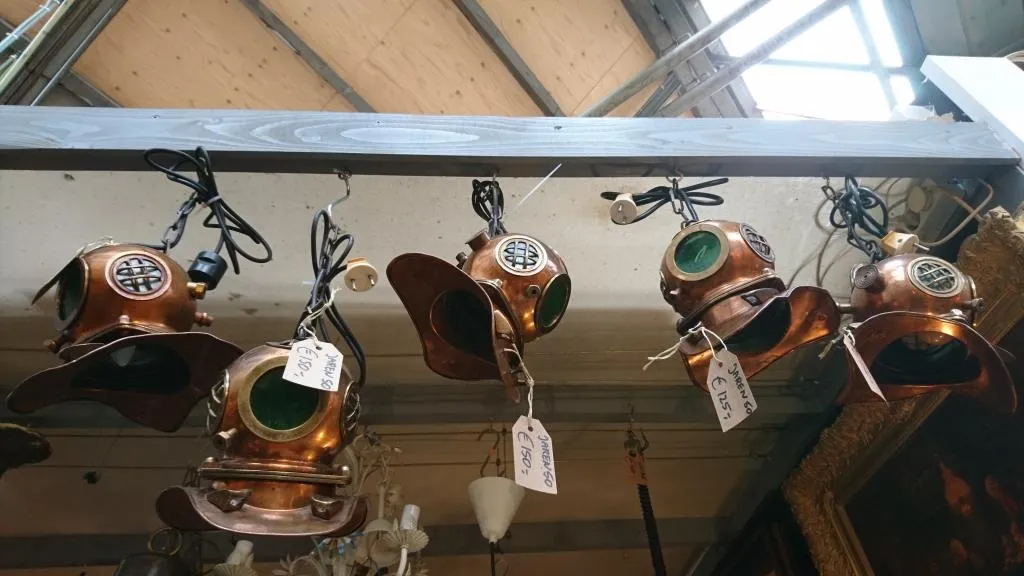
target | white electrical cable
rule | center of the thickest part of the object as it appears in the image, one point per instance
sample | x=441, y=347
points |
x=972, y=214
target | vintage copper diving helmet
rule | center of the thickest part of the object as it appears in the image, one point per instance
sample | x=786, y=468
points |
x=475, y=318
x=720, y=276
x=913, y=318
x=278, y=440
x=124, y=313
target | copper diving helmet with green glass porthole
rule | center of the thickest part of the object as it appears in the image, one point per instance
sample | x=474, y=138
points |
x=280, y=428
x=474, y=319
x=125, y=313
x=913, y=327
x=720, y=275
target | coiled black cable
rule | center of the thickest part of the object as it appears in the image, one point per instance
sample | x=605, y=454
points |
x=686, y=196
x=851, y=211
x=204, y=192
x=489, y=203
x=329, y=250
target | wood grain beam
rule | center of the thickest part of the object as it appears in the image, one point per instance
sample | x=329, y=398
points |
x=394, y=144
x=491, y=34
x=300, y=47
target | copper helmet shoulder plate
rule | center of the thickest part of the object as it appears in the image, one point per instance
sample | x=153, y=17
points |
x=152, y=379
x=276, y=474
x=912, y=353
x=772, y=328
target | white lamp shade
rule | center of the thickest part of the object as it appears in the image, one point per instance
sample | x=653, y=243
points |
x=495, y=500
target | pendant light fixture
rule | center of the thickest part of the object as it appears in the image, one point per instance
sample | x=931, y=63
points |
x=913, y=316
x=475, y=318
x=719, y=276
x=125, y=312
x=279, y=440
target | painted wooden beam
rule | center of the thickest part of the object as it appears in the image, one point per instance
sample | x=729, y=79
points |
x=489, y=31
x=448, y=540
x=393, y=144
x=299, y=46
x=72, y=81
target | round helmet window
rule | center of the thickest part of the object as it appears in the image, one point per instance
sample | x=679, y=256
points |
x=698, y=252
x=279, y=404
x=936, y=277
x=554, y=301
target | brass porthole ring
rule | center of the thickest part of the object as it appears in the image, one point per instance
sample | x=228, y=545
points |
x=249, y=418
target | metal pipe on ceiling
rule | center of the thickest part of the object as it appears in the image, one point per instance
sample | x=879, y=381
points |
x=12, y=71
x=755, y=56
x=66, y=66
x=664, y=65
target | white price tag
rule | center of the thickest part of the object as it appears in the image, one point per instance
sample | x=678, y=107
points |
x=534, y=456
x=314, y=364
x=851, y=347
x=730, y=392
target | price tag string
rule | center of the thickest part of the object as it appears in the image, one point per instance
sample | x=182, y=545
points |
x=306, y=325
x=698, y=330
x=851, y=346
x=529, y=383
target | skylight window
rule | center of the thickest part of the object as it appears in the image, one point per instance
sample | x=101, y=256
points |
x=797, y=81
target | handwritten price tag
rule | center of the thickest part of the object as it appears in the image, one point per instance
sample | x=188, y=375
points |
x=534, y=456
x=730, y=391
x=314, y=364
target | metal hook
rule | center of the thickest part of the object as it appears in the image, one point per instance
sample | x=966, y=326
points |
x=493, y=451
x=345, y=175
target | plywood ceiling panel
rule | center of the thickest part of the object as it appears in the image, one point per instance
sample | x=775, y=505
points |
x=202, y=54
x=433, y=62
x=570, y=45
x=637, y=57
x=342, y=32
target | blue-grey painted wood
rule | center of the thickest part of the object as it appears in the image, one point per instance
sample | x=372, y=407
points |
x=33, y=138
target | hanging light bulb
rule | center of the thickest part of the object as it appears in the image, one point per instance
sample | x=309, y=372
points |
x=474, y=319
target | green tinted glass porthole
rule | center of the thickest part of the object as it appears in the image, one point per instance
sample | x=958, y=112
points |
x=554, y=301
x=279, y=404
x=698, y=252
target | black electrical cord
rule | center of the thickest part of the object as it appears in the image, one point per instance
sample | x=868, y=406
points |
x=489, y=203
x=204, y=192
x=851, y=211
x=329, y=250
x=686, y=196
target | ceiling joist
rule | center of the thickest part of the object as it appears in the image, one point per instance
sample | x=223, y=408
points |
x=490, y=32
x=308, y=55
